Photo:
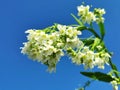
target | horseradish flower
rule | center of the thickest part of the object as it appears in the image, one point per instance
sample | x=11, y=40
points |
x=77, y=59
x=99, y=62
x=69, y=36
x=43, y=48
x=114, y=84
x=100, y=19
x=61, y=28
x=85, y=15
x=74, y=43
x=89, y=58
x=99, y=12
x=83, y=10
x=99, y=15
x=88, y=18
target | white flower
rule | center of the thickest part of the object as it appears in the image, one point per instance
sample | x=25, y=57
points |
x=74, y=43
x=76, y=32
x=100, y=19
x=31, y=34
x=85, y=49
x=48, y=48
x=85, y=14
x=114, y=84
x=54, y=36
x=60, y=44
x=83, y=10
x=43, y=47
x=77, y=59
x=99, y=11
x=61, y=28
x=69, y=36
x=88, y=59
x=106, y=57
x=29, y=31
x=99, y=47
x=88, y=18
x=99, y=62
x=102, y=11
x=68, y=30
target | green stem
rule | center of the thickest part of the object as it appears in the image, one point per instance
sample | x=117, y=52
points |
x=113, y=67
x=96, y=35
x=86, y=85
x=89, y=29
x=111, y=64
x=77, y=20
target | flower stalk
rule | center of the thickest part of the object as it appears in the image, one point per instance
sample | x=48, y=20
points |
x=48, y=45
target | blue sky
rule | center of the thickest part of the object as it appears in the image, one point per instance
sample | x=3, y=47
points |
x=17, y=72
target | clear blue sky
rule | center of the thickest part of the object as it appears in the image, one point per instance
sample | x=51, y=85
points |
x=17, y=72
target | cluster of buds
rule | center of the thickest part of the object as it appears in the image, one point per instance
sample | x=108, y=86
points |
x=87, y=16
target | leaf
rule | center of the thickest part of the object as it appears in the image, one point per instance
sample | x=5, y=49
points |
x=77, y=20
x=81, y=28
x=98, y=76
x=102, y=30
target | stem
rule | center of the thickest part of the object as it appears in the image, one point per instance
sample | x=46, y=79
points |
x=93, y=31
x=89, y=29
x=112, y=66
x=77, y=20
x=96, y=35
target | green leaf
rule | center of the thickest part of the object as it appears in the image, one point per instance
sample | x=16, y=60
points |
x=102, y=30
x=98, y=76
x=77, y=20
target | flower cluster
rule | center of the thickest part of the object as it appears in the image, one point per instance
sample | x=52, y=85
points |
x=89, y=58
x=43, y=48
x=88, y=16
x=48, y=48
x=99, y=14
x=69, y=36
x=114, y=84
